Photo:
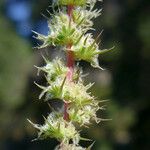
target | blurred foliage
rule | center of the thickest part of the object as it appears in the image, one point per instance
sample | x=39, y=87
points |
x=15, y=59
x=125, y=82
x=15, y=65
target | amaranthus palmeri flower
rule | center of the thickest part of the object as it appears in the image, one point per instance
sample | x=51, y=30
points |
x=69, y=30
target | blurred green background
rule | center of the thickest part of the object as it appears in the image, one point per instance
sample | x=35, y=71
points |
x=125, y=82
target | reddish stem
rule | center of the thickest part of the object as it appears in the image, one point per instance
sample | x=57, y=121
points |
x=70, y=63
x=70, y=10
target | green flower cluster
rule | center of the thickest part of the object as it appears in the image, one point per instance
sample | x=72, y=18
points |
x=82, y=106
x=69, y=27
x=62, y=32
x=56, y=127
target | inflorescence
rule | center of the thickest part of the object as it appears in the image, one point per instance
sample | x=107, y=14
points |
x=69, y=30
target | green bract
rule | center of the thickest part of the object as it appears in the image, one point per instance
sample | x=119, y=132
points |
x=77, y=2
x=69, y=30
x=72, y=2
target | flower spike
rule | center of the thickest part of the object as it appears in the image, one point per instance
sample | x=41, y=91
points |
x=69, y=30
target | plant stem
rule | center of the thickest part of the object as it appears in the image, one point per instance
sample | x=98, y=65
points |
x=70, y=62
